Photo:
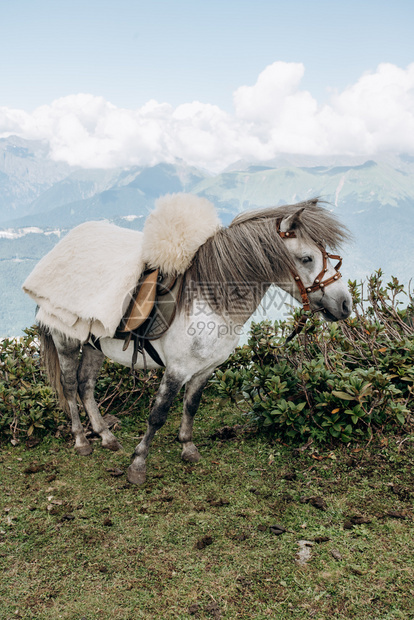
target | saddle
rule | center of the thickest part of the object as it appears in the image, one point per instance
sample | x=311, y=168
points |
x=150, y=313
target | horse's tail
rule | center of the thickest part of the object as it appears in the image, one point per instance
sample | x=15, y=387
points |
x=50, y=361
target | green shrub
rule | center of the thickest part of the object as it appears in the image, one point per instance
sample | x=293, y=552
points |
x=27, y=403
x=341, y=380
x=122, y=392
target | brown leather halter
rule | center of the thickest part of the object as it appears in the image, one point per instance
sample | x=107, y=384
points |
x=318, y=284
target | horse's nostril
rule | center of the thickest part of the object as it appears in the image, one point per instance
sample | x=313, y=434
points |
x=345, y=307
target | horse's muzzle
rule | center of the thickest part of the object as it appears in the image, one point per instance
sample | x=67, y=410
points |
x=342, y=310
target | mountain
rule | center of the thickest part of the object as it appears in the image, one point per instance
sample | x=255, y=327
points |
x=91, y=195
x=343, y=186
x=40, y=200
x=26, y=172
x=76, y=186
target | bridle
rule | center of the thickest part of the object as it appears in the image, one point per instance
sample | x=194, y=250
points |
x=318, y=284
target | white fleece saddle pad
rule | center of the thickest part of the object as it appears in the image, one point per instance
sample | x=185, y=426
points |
x=83, y=284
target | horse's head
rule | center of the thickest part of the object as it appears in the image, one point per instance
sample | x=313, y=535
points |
x=315, y=282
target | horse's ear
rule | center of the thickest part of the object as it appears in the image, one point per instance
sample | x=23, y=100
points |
x=292, y=221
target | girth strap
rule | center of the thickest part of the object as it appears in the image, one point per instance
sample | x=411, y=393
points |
x=152, y=352
x=141, y=345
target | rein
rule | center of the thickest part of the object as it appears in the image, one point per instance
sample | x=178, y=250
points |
x=318, y=284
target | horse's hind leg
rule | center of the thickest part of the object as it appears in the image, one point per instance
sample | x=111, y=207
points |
x=68, y=354
x=192, y=397
x=88, y=371
x=169, y=388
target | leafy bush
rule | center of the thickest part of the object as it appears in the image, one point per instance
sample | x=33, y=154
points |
x=27, y=403
x=341, y=380
x=122, y=392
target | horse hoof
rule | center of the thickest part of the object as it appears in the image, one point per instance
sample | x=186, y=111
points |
x=84, y=450
x=135, y=476
x=113, y=445
x=191, y=455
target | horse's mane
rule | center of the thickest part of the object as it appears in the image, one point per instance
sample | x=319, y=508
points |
x=249, y=251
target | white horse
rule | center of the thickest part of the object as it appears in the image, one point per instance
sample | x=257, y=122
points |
x=222, y=288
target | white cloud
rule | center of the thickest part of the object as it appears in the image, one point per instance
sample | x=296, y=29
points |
x=377, y=111
x=266, y=100
x=273, y=116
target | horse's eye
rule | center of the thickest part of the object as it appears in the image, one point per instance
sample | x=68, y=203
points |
x=307, y=259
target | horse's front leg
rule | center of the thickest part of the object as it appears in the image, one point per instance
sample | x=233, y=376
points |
x=169, y=388
x=192, y=397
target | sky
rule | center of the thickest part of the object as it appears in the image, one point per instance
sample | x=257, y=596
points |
x=126, y=82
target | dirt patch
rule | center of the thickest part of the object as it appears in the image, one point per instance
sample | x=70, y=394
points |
x=227, y=432
x=315, y=501
x=204, y=542
x=115, y=472
x=214, y=502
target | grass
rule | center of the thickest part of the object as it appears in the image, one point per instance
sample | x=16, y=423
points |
x=76, y=542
